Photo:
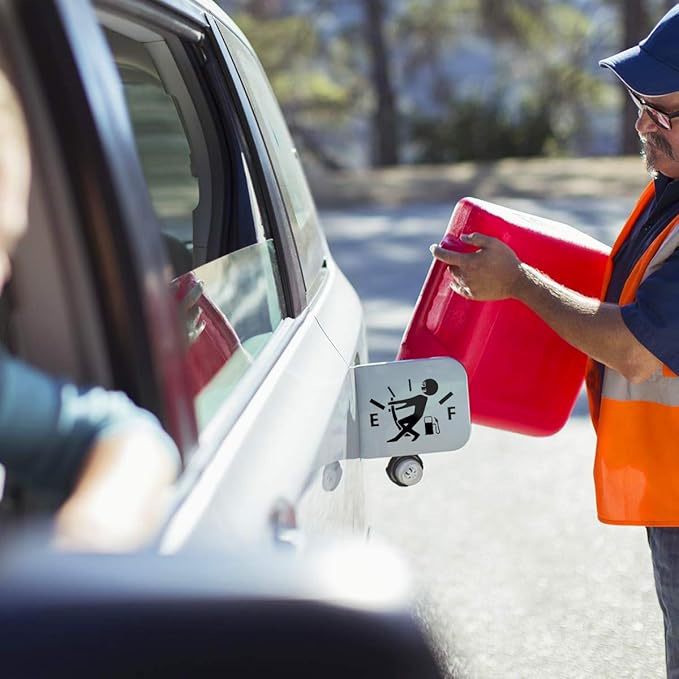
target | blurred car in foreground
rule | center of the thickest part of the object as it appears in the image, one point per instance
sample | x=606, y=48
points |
x=341, y=611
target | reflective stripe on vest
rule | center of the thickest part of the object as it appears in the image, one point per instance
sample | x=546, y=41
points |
x=636, y=469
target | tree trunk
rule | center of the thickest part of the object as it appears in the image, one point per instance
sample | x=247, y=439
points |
x=385, y=132
x=634, y=29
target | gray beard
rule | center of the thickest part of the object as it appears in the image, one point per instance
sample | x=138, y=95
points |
x=649, y=161
x=652, y=145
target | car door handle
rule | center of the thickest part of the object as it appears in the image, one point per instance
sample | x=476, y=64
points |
x=286, y=532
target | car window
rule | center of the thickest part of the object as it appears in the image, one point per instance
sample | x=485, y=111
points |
x=225, y=275
x=164, y=153
x=284, y=157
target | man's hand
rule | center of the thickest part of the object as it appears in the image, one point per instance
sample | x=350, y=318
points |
x=492, y=272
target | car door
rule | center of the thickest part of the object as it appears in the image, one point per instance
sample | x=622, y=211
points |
x=206, y=305
x=295, y=439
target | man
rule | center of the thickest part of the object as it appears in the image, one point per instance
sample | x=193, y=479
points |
x=632, y=335
x=109, y=459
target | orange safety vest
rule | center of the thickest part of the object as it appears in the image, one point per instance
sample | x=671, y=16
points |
x=636, y=469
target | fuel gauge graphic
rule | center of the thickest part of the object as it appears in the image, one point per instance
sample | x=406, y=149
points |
x=407, y=412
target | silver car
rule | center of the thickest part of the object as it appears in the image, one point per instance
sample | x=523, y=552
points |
x=174, y=253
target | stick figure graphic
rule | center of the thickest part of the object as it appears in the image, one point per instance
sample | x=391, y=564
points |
x=418, y=404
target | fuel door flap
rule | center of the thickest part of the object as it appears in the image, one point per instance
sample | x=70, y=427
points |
x=412, y=407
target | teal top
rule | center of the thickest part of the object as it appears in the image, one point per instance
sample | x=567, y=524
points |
x=47, y=426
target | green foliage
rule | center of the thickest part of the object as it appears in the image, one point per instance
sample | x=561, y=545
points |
x=477, y=129
x=425, y=29
x=520, y=21
x=540, y=96
x=300, y=69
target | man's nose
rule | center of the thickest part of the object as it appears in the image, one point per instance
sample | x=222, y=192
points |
x=645, y=123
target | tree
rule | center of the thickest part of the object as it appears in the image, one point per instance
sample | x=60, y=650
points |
x=511, y=19
x=425, y=30
x=635, y=26
x=537, y=76
x=340, y=67
x=313, y=92
x=386, y=143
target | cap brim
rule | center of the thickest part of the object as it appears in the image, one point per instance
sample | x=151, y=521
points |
x=642, y=73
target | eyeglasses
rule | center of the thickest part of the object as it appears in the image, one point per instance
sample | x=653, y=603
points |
x=660, y=118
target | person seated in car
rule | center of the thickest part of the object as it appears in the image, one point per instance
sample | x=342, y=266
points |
x=110, y=461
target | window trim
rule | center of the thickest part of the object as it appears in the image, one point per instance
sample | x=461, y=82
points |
x=201, y=64
x=288, y=186
x=263, y=175
x=224, y=149
x=173, y=17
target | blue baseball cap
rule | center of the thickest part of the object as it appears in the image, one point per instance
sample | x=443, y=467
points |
x=651, y=68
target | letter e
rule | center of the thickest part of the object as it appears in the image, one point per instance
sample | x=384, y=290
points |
x=373, y=420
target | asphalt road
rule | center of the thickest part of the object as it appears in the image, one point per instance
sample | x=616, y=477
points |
x=516, y=577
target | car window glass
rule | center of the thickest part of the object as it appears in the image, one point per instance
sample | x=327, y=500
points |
x=243, y=288
x=284, y=157
x=232, y=303
x=164, y=153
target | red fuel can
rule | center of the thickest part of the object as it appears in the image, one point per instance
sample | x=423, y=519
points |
x=522, y=376
x=212, y=340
